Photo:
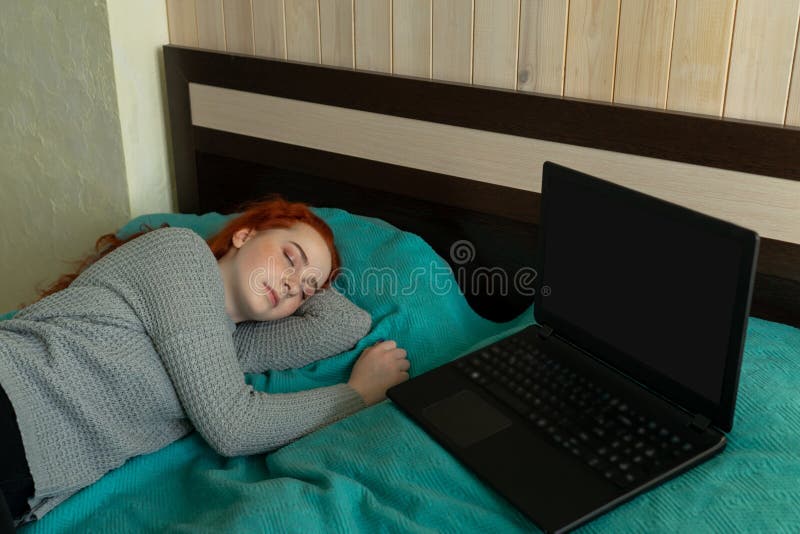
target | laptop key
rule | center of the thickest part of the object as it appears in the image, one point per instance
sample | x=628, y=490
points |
x=504, y=395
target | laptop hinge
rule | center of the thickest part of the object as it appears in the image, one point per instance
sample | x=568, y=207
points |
x=700, y=423
x=545, y=331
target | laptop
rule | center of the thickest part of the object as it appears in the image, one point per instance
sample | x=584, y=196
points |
x=629, y=376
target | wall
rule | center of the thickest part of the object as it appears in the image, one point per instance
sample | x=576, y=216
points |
x=731, y=58
x=138, y=30
x=83, y=135
x=62, y=178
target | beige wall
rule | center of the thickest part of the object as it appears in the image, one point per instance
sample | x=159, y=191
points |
x=138, y=31
x=62, y=177
x=79, y=150
x=732, y=58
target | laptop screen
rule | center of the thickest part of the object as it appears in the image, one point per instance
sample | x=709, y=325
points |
x=653, y=285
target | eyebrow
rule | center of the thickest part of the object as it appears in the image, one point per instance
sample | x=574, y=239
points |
x=302, y=252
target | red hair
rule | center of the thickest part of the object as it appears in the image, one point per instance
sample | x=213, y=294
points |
x=275, y=212
x=270, y=212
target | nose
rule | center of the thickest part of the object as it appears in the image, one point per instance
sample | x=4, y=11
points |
x=291, y=283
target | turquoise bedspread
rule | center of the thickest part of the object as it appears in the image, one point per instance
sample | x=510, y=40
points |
x=376, y=471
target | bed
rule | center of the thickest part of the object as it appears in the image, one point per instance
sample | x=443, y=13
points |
x=413, y=174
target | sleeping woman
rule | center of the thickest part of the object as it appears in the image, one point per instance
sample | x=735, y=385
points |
x=151, y=339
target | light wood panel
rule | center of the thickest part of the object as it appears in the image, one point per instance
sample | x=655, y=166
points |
x=494, y=60
x=411, y=30
x=373, y=24
x=210, y=24
x=700, y=53
x=336, y=32
x=731, y=58
x=591, y=49
x=770, y=206
x=643, y=52
x=542, y=44
x=761, y=59
x=238, y=17
x=302, y=31
x=793, y=107
x=182, y=22
x=269, y=35
x=452, y=40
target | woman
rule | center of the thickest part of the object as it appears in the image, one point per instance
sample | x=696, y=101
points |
x=151, y=339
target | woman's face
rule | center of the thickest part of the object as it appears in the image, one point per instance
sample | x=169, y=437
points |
x=268, y=274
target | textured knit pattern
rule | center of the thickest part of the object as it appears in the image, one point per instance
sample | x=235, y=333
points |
x=376, y=471
x=139, y=350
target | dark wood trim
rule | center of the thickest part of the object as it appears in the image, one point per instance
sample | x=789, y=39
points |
x=180, y=125
x=758, y=148
x=462, y=207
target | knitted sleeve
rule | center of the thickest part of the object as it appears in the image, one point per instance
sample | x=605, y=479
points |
x=230, y=415
x=325, y=325
x=172, y=280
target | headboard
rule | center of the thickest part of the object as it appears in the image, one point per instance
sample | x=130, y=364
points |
x=461, y=165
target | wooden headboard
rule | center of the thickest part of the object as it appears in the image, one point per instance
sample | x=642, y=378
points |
x=453, y=162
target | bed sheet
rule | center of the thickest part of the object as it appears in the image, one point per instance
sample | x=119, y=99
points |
x=376, y=471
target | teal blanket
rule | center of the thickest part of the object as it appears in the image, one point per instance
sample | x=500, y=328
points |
x=376, y=471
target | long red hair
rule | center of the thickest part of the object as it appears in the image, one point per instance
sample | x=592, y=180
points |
x=270, y=212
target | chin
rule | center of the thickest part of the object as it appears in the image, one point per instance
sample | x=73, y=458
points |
x=269, y=314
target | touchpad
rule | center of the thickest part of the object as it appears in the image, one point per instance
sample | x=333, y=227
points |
x=466, y=418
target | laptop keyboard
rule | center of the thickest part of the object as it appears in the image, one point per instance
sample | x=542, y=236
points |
x=596, y=426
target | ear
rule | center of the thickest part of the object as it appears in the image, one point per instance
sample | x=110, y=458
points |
x=241, y=236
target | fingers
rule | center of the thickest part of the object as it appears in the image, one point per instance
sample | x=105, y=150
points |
x=386, y=345
x=404, y=365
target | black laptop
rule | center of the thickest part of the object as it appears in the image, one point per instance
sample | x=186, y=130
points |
x=629, y=376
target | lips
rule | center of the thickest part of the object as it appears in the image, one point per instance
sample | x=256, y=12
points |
x=273, y=297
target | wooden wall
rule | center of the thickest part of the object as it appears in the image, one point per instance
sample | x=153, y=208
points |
x=731, y=58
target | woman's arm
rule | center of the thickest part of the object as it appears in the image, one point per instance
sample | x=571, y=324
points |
x=230, y=415
x=326, y=325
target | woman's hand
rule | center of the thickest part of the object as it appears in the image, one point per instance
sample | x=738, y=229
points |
x=379, y=367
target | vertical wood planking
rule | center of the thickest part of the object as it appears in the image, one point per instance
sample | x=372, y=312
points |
x=732, y=58
x=373, y=35
x=411, y=30
x=591, y=49
x=761, y=60
x=542, y=42
x=700, y=56
x=210, y=24
x=452, y=40
x=336, y=32
x=643, y=52
x=793, y=105
x=238, y=26
x=269, y=38
x=302, y=30
x=494, y=59
x=182, y=22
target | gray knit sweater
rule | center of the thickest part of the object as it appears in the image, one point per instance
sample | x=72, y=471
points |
x=139, y=350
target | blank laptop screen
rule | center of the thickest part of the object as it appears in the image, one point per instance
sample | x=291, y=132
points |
x=655, y=286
